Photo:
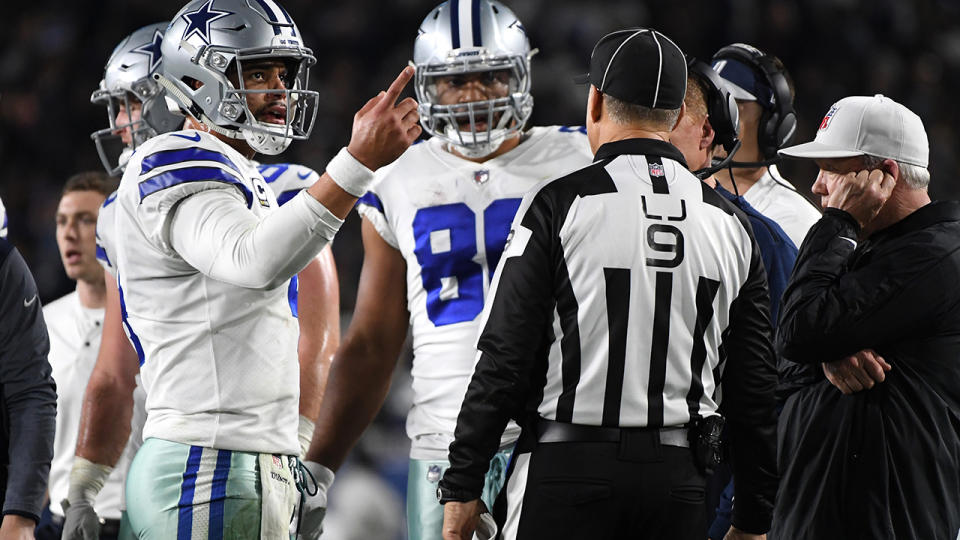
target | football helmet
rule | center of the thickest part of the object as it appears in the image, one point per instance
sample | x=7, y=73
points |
x=461, y=37
x=127, y=79
x=210, y=41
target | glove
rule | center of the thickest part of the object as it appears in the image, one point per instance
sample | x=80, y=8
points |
x=86, y=481
x=80, y=521
x=315, y=506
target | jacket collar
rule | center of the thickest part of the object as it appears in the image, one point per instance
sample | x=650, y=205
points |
x=644, y=147
x=923, y=217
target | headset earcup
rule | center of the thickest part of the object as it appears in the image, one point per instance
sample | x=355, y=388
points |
x=786, y=129
x=767, y=133
x=733, y=115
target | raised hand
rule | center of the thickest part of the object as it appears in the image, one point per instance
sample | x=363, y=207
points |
x=862, y=194
x=384, y=129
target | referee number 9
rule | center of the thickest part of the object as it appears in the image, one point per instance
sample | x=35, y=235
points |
x=666, y=240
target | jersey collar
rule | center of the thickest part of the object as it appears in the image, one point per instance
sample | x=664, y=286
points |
x=645, y=147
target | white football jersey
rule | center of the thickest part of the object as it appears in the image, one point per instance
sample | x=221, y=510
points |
x=218, y=361
x=450, y=217
x=286, y=180
x=106, y=246
x=75, y=332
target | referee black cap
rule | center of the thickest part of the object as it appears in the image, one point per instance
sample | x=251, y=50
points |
x=640, y=66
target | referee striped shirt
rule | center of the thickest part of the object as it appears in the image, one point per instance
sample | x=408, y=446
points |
x=630, y=294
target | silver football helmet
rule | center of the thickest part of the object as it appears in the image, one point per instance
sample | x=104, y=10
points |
x=127, y=80
x=210, y=41
x=462, y=37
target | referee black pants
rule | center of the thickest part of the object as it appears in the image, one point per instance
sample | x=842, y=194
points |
x=633, y=489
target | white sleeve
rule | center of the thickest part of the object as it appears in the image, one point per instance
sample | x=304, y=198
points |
x=216, y=234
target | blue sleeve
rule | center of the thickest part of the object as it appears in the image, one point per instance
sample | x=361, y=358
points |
x=721, y=523
x=778, y=254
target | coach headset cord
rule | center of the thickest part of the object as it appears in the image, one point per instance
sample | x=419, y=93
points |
x=300, y=475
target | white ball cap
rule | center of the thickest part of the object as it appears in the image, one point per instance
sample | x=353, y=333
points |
x=858, y=125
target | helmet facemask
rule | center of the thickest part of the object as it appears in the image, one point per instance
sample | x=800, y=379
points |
x=476, y=128
x=137, y=102
x=233, y=115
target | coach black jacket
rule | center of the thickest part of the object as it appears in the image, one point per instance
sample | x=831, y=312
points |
x=881, y=463
x=28, y=398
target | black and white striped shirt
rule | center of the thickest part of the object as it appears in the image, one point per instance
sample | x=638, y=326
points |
x=630, y=294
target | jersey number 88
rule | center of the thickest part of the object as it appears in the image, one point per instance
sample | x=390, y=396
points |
x=446, y=249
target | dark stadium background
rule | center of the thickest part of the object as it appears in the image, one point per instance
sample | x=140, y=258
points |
x=52, y=54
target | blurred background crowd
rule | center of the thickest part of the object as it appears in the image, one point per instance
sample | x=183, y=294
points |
x=52, y=55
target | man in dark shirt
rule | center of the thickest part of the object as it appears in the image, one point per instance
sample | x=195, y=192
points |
x=874, y=289
x=28, y=398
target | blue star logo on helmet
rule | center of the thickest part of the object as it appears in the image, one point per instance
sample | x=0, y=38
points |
x=152, y=50
x=198, y=22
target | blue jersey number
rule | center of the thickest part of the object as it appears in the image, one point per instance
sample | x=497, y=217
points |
x=446, y=248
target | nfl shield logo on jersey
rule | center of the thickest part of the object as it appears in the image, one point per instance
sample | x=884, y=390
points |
x=433, y=474
x=481, y=176
x=656, y=169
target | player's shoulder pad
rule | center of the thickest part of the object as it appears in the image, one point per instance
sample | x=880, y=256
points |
x=190, y=160
x=287, y=179
x=582, y=130
x=413, y=159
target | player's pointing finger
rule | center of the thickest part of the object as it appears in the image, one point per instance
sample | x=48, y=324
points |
x=396, y=87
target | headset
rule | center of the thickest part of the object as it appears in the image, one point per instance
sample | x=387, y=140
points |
x=779, y=123
x=723, y=113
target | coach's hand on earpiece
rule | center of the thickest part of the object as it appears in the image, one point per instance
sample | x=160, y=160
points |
x=383, y=129
x=862, y=194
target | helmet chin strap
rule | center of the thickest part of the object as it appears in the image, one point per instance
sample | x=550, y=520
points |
x=264, y=143
x=478, y=150
x=495, y=138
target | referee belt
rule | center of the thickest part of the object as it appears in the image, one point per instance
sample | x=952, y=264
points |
x=549, y=431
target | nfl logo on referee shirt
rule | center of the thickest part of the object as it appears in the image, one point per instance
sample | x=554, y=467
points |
x=656, y=169
x=481, y=176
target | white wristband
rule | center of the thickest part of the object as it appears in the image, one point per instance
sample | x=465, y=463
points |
x=86, y=479
x=304, y=435
x=348, y=173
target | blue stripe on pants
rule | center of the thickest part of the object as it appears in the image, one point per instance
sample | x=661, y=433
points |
x=185, y=523
x=218, y=494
